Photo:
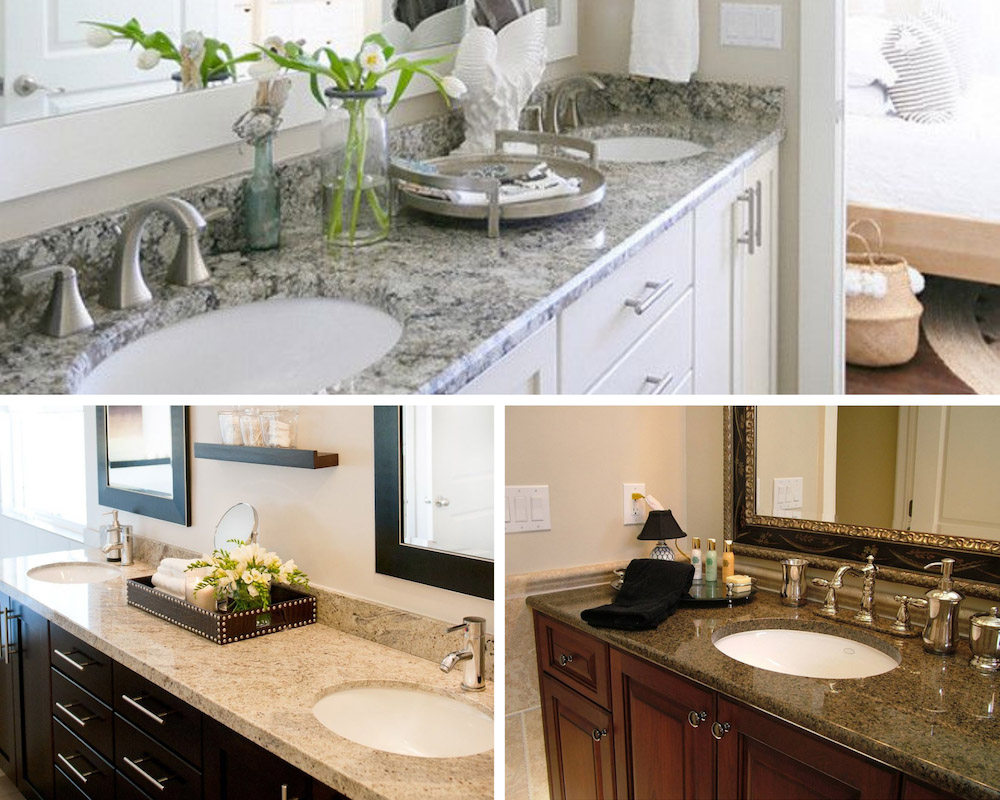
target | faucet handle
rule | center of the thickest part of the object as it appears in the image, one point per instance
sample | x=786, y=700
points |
x=454, y=628
x=66, y=312
x=902, y=624
x=188, y=267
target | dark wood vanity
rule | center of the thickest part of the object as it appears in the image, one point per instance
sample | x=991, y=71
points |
x=618, y=726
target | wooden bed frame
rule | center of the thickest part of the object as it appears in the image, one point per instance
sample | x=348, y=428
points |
x=939, y=245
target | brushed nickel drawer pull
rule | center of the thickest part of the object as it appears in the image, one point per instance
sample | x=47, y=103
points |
x=759, y=225
x=659, y=384
x=695, y=718
x=134, y=702
x=284, y=793
x=565, y=659
x=599, y=734
x=640, y=306
x=81, y=775
x=750, y=237
x=720, y=729
x=157, y=782
x=82, y=722
x=76, y=664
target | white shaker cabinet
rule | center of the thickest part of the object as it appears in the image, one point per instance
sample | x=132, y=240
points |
x=530, y=368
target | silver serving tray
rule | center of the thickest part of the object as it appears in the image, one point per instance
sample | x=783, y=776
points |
x=452, y=175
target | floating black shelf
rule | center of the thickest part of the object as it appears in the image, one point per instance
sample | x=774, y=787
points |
x=276, y=456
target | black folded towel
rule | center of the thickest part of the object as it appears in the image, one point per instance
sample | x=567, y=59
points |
x=649, y=594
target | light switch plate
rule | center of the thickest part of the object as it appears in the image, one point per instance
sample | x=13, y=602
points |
x=634, y=511
x=751, y=25
x=527, y=509
x=787, y=496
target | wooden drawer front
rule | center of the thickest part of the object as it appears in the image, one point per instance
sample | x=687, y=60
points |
x=147, y=763
x=82, y=765
x=83, y=714
x=129, y=791
x=659, y=362
x=914, y=790
x=154, y=710
x=596, y=329
x=578, y=660
x=66, y=789
x=82, y=663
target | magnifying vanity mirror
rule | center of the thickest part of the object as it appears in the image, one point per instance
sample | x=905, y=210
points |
x=238, y=523
x=142, y=461
x=908, y=485
x=434, y=496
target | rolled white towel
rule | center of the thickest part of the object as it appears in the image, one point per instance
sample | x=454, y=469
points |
x=177, y=565
x=170, y=583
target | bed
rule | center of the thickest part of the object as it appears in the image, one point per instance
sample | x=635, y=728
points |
x=934, y=189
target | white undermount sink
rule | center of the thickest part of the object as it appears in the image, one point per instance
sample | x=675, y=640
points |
x=410, y=722
x=286, y=346
x=646, y=149
x=74, y=572
x=807, y=653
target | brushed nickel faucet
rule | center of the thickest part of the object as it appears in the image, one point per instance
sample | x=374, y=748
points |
x=866, y=613
x=126, y=286
x=119, y=542
x=474, y=654
x=563, y=112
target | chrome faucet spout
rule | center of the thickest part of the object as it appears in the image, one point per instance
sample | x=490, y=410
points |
x=449, y=661
x=473, y=654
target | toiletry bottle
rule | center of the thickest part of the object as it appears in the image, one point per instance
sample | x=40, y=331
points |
x=728, y=560
x=941, y=631
x=711, y=567
x=696, y=557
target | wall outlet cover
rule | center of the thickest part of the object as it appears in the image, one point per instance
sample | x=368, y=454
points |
x=633, y=511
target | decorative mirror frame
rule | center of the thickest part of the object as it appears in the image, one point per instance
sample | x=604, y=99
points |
x=461, y=574
x=900, y=554
x=171, y=509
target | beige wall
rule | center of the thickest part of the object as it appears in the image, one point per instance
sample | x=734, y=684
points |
x=605, y=31
x=791, y=444
x=324, y=519
x=866, y=464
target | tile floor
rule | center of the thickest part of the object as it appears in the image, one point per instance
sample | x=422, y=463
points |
x=7, y=789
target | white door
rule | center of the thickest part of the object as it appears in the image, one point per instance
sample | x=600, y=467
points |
x=954, y=463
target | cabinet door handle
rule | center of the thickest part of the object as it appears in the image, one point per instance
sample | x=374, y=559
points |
x=695, y=718
x=284, y=793
x=640, y=306
x=659, y=384
x=565, y=659
x=759, y=219
x=76, y=664
x=750, y=238
x=6, y=648
x=720, y=729
x=599, y=734
x=157, y=782
x=82, y=722
x=81, y=775
x=134, y=702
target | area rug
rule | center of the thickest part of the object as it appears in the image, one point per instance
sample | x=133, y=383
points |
x=962, y=324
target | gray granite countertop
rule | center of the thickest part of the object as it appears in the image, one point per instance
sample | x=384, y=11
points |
x=464, y=300
x=264, y=688
x=932, y=717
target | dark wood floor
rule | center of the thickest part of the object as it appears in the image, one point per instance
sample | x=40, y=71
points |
x=926, y=374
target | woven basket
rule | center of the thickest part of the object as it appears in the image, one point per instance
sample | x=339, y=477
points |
x=882, y=331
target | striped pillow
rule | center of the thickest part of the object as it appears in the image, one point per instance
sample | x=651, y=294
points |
x=928, y=88
x=948, y=28
x=497, y=14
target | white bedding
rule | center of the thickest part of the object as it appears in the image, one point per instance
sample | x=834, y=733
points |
x=951, y=169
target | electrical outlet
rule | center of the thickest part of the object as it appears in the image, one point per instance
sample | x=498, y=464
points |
x=527, y=509
x=634, y=510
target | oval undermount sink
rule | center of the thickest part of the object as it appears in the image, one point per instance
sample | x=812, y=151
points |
x=646, y=149
x=410, y=722
x=807, y=653
x=286, y=346
x=74, y=572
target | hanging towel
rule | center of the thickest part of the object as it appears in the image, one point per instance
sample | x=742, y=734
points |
x=650, y=593
x=665, y=39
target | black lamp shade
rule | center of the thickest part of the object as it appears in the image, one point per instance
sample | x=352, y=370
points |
x=660, y=525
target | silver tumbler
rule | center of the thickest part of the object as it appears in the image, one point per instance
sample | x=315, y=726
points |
x=793, y=581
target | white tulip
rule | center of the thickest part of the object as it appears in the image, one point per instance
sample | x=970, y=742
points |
x=372, y=58
x=148, y=59
x=194, y=42
x=99, y=37
x=274, y=43
x=453, y=86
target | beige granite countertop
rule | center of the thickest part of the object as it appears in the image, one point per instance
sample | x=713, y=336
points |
x=933, y=717
x=264, y=688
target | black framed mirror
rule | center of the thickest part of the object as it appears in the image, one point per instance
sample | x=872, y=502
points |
x=399, y=551
x=142, y=461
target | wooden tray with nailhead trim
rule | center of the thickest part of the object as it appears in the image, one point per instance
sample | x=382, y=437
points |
x=289, y=609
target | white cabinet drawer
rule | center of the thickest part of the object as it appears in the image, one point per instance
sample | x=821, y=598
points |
x=687, y=385
x=530, y=368
x=660, y=362
x=596, y=329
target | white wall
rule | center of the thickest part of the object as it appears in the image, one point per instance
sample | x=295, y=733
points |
x=324, y=519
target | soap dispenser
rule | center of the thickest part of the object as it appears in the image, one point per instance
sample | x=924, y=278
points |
x=941, y=631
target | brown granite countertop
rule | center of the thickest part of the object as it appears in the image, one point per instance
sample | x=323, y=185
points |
x=933, y=717
x=264, y=688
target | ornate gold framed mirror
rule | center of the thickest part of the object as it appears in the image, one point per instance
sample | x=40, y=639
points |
x=935, y=465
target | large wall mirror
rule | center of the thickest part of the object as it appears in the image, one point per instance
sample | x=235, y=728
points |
x=142, y=461
x=434, y=496
x=908, y=485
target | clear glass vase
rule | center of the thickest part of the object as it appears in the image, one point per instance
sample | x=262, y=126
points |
x=262, y=201
x=355, y=168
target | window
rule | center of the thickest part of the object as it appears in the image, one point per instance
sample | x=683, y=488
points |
x=43, y=466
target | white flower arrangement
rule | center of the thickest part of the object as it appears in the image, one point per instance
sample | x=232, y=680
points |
x=245, y=575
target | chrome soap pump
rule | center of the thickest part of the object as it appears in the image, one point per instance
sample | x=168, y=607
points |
x=941, y=631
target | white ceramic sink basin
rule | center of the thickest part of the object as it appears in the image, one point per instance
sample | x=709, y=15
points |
x=646, y=149
x=410, y=722
x=286, y=346
x=74, y=572
x=807, y=653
